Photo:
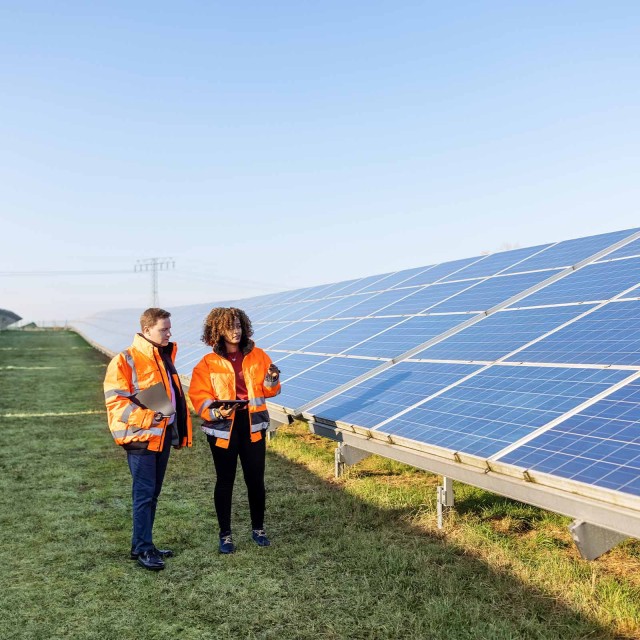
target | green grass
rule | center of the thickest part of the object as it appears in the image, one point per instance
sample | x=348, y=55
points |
x=358, y=557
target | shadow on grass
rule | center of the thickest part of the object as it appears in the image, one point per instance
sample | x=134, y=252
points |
x=447, y=592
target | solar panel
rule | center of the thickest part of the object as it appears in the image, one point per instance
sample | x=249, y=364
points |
x=595, y=282
x=499, y=405
x=631, y=249
x=488, y=293
x=570, y=252
x=598, y=445
x=609, y=334
x=405, y=334
x=520, y=363
x=498, y=262
x=501, y=333
x=306, y=333
x=383, y=396
x=351, y=335
x=321, y=376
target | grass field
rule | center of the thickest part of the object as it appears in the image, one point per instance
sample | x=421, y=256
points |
x=357, y=557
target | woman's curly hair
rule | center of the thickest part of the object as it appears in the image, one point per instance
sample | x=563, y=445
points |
x=220, y=320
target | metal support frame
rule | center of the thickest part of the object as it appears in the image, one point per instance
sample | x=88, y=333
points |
x=347, y=455
x=618, y=519
x=445, y=498
x=276, y=419
x=593, y=541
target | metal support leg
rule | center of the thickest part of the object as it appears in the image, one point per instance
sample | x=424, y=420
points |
x=347, y=455
x=593, y=541
x=445, y=498
x=272, y=429
x=338, y=470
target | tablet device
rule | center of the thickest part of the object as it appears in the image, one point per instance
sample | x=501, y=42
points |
x=238, y=404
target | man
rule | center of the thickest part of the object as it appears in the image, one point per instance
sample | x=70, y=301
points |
x=147, y=435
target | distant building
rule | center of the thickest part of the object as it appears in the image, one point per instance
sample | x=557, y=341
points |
x=7, y=318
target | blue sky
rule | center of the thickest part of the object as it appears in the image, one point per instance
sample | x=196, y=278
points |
x=267, y=146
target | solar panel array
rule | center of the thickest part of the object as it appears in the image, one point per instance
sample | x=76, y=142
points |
x=529, y=359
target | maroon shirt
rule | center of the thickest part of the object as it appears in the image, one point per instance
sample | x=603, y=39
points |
x=236, y=359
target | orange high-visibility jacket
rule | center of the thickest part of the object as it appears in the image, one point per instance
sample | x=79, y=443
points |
x=213, y=378
x=131, y=371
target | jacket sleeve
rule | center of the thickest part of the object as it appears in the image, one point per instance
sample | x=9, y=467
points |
x=117, y=393
x=201, y=391
x=271, y=387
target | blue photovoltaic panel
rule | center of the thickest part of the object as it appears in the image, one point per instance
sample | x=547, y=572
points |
x=334, y=307
x=189, y=356
x=259, y=314
x=111, y=334
x=499, y=406
x=316, y=381
x=497, y=262
x=440, y=272
x=306, y=333
x=292, y=364
x=351, y=335
x=284, y=312
x=396, y=279
x=631, y=249
x=312, y=293
x=488, y=293
x=595, y=282
x=354, y=286
x=609, y=335
x=384, y=303
x=570, y=252
x=405, y=335
x=501, y=333
x=284, y=297
x=323, y=292
x=370, y=283
x=297, y=311
x=600, y=445
x=390, y=392
x=279, y=332
x=420, y=300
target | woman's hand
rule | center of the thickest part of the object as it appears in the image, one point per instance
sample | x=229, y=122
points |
x=273, y=372
x=226, y=412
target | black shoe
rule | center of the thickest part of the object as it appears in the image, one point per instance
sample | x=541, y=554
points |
x=163, y=553
x=260, y=537
x=150, y=560
x=226, y=545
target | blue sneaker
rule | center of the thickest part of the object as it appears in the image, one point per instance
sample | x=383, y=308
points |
x=226, y=544
x=260, y=537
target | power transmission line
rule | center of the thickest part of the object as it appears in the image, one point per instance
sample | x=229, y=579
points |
x=154, y=265
x=79, y=272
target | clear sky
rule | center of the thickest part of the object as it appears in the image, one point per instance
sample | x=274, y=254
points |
x=273, y=145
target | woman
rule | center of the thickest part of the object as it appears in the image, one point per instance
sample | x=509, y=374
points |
x=235, y=370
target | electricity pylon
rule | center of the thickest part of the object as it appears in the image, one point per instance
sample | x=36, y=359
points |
x=154, y=265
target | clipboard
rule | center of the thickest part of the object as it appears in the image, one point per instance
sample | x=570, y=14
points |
x=155, y=398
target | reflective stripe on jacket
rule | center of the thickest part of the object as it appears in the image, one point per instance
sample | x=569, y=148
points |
x=135, y=369
x=213, y=378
